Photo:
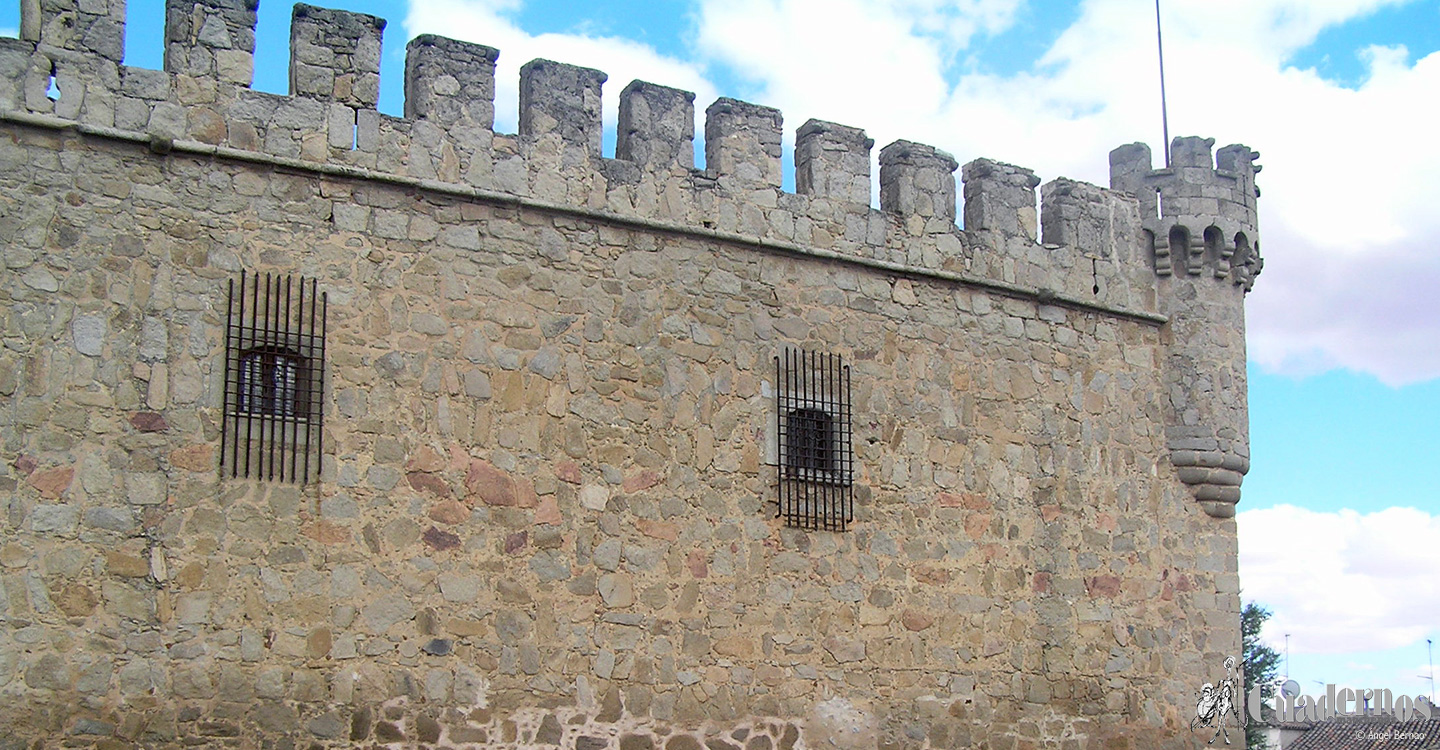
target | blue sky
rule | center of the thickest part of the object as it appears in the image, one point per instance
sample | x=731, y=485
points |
x=1339, y=528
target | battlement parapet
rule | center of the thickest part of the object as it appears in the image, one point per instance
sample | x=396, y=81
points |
x=1199, y=213
x=446, y=135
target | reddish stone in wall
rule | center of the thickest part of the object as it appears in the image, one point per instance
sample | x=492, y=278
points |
x=976, y=524
x=148, y=421
x=931, y=575
x=1106, y=586
x=658, y=529
x=425, y=459
x=449, y=512
x=490, y=484
x=325, y=532
x=26, y=465
x=642, y=481
x=431, y=483
x=52, y=482
x=915, y=620
x=549, y=511
x=196, y=458
x=695, y=561
x=440, y=540
x=568, y=471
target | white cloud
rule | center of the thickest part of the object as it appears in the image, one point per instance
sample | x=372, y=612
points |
x=1347, y=222
x=1342, y=582
x=623, y=60
x=9, y=32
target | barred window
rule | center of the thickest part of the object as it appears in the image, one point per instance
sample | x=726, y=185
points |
x=812, y=439
x=274, y=379
x=813, y=435
x=269, y=383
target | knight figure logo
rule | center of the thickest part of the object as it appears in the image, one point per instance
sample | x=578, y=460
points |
x=1219, y=704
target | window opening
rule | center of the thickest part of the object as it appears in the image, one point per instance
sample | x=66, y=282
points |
x=274, y=379
x=813, y=417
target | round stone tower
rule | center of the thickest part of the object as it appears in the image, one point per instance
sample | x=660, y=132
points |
x=1200, y=222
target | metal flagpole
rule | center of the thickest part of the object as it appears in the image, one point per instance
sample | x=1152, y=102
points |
x=1164, y=114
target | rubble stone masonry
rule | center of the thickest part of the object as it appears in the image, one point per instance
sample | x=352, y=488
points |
x=545, y=515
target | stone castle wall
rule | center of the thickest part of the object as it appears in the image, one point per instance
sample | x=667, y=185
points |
x=545, y=515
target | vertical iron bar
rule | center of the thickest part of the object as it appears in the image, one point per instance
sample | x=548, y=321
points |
x=277, y=407
x=254, y=335
x=239, y=377
x=817, y=509
x=802, y=506
x=225, y=371
x=849, y=455
x=807, y=365
x=791, y=466
x=838, y=499
x=822, y=397
x=836, y=459
x=317, y=367
x=840, y=445
x=827, y=382
x=320, y=391
x=779, y=439
x=264, y=414
x=292, y=391
x=302, y=374
x=272, y=312
x=793, y=509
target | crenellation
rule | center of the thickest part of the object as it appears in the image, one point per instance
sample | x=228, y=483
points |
x=1000, y=200
x=335, y=56
x=656, y=128
x=449, y=82
x=1129, y=166
x=211, y=39
x=917, y=180
x=447, y=134
x=16, y=58
x=90, y=27
x=833, y=161
x=562, y=101
x=742, y=145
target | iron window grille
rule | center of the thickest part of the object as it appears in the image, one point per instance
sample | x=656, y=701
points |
x=816, y=465
x=274, y=379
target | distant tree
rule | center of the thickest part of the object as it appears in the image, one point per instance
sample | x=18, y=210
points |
x=1261, y=665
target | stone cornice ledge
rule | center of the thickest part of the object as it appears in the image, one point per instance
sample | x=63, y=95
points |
x=163, y=146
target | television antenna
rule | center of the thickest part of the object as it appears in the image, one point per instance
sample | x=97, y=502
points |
x=1287, y=638
x=1430, y=658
